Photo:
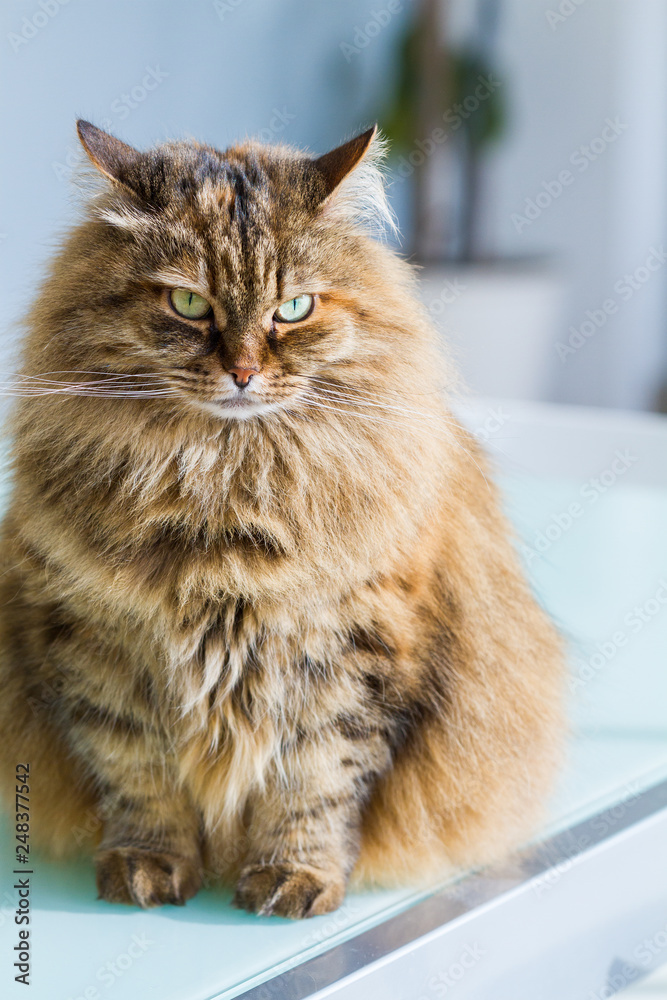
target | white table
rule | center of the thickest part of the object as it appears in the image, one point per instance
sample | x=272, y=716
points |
x=578, y=914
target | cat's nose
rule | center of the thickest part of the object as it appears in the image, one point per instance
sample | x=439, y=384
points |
x=242, y=376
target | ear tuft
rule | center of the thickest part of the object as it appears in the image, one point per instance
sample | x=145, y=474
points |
x=354, y=179
x=113, y=158
x=337, y=164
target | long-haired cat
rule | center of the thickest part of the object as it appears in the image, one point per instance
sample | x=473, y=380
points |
x=260, y=613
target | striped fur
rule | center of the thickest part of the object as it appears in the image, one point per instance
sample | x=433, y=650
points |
x=285, y=650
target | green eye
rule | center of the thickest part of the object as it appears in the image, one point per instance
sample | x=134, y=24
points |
x=189, y=304
x=295, y=309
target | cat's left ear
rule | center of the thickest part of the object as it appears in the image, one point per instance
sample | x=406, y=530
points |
x=334, y=166
x=113, y=158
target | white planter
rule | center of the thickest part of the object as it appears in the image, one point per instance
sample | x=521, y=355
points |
x=501, y=321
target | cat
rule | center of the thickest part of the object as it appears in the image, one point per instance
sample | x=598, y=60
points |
x=261, y=619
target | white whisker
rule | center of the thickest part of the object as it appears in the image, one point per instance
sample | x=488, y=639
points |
x=317, y=400
x=137, y=385
x=337, y=384
x=80, y=391
x=314, y=400
x=361, y=401
x=352, y=399
x=74, y=371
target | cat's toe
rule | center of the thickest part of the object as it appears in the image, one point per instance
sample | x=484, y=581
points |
x=288, y=890
x=145, y=878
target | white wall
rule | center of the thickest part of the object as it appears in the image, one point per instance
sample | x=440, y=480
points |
x=237, y=68
x=605, y=60
x=228, y=70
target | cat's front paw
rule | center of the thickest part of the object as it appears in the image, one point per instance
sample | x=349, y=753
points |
x=288, y=889
x=145, y=877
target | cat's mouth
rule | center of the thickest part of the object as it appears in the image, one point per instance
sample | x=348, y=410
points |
x=235, y=402
x=240, y=407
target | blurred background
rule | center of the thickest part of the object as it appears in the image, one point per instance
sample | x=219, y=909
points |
x=528, y=163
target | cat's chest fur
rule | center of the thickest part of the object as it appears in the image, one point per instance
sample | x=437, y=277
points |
x=254, y=686
x=254, y=647
x=223, y=549
x=229, y=574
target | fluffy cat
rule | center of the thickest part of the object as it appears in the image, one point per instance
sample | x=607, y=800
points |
x=261, y=616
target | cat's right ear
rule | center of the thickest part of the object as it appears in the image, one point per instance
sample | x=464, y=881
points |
x=334, y=167
x=113, y=158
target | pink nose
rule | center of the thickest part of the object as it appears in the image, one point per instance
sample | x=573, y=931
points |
x=242, y=376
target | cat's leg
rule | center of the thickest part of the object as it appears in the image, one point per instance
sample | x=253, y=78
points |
x=96, y=761
x=150, y=849
x=62, y=799
x=304, y=829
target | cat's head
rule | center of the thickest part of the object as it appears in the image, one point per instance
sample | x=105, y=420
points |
x=240, y=282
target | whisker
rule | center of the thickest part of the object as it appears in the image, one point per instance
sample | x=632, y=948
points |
x=80, y=391
x=346, y=397
x=73, y=386
x=83, y=371
x=317, y=400
x=449, y=439
x=337, y=383
x=140, y=385
x=361, y=401
x=116, y=379
x=349, y=389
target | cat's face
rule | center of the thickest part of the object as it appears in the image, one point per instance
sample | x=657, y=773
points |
x=229, y=281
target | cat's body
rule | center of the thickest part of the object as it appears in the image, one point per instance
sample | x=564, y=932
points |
x=284, y=648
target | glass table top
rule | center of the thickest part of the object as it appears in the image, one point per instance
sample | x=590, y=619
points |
x=597, y=557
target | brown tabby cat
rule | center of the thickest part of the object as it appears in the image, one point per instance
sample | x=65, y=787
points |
x=260, y=615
